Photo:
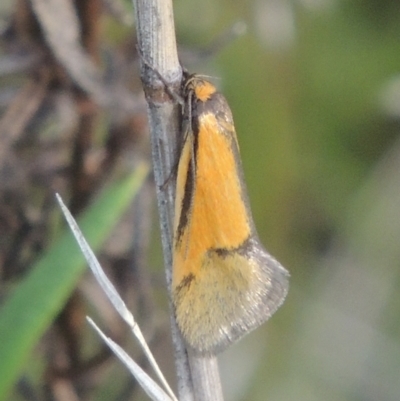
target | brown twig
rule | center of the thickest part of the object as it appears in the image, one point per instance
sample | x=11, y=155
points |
x=198, y=377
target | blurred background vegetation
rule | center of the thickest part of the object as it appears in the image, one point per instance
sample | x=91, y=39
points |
x=315, y=93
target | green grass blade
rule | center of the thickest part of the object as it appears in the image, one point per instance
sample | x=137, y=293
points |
x=37, y=299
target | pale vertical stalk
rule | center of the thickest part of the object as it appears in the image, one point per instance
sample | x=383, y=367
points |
x=198, y=377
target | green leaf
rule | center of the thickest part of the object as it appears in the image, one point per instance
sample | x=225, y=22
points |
x=37, y=299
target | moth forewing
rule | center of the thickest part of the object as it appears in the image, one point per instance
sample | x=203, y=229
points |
x=225, y=283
